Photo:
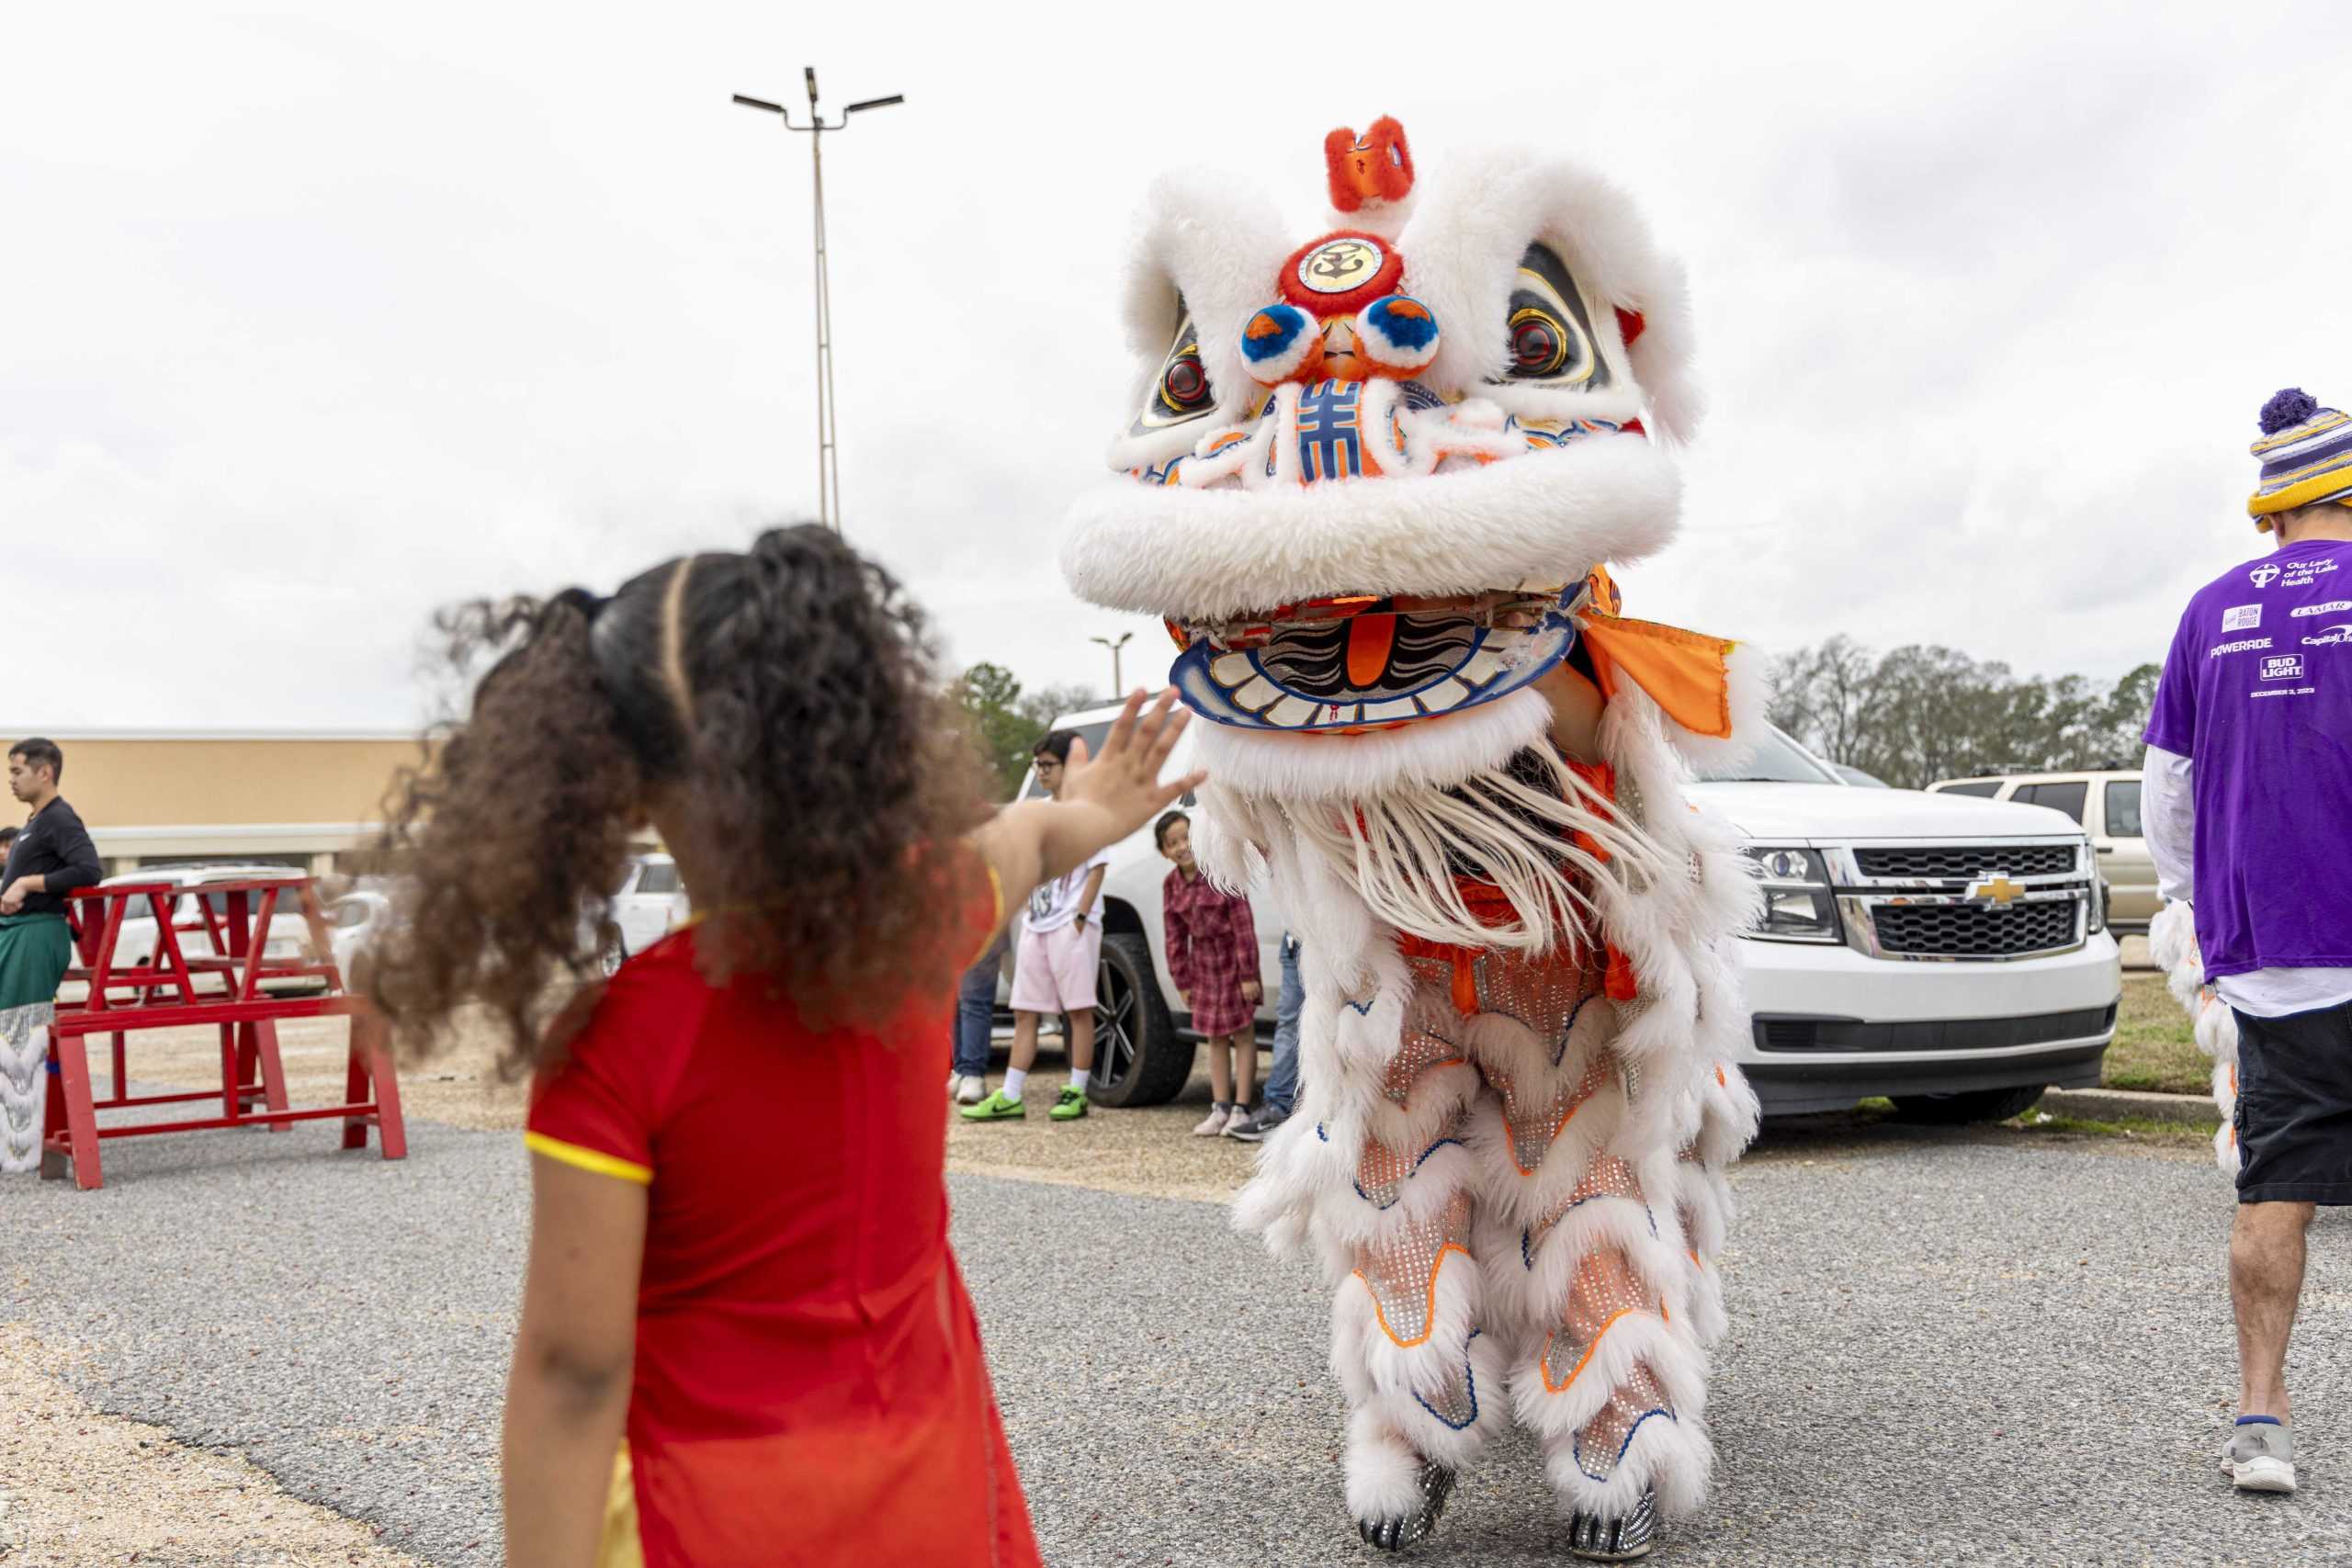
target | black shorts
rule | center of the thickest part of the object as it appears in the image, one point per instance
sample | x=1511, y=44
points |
x=2294, y=1112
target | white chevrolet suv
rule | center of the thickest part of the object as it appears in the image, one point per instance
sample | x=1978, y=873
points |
x=1943, y=951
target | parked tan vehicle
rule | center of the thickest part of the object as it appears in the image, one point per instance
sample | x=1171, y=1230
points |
x=2107, y=804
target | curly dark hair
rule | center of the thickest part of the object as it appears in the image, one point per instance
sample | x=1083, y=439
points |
x=778, y=710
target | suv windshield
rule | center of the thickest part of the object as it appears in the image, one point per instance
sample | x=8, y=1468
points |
x=1776, y=760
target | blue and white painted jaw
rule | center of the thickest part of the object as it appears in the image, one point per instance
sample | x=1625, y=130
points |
x=1358, y=662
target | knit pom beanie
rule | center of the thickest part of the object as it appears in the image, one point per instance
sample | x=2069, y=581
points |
x=2306, y=455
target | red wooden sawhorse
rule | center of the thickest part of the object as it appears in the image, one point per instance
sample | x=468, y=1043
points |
x=223, y=986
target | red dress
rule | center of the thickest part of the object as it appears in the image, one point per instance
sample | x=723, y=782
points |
x=1212, y=949
x=810, y=1385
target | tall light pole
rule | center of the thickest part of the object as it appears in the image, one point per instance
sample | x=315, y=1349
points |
x=828, y=472
x=1118, y=687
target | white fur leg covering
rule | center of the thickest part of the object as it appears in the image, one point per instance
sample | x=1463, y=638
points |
x=24, y=1085
x=2172, y=945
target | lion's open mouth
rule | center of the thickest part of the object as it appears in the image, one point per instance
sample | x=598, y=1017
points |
x=1353, y=661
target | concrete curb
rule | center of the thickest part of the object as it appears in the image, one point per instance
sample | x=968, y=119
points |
x=2122, y=1104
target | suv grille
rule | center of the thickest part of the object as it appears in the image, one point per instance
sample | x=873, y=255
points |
x=1970, y=860
x=1959, y=931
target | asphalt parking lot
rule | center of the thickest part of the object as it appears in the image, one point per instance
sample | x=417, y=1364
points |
x=1946, y=1348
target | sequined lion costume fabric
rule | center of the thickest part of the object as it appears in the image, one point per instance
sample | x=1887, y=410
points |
x=1374, y=482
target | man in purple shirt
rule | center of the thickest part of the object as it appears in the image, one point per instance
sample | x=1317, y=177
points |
x=2247, y=807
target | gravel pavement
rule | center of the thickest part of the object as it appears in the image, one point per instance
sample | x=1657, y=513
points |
x=1946, y=1348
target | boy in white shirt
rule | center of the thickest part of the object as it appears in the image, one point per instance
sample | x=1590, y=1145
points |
x=1054, y=968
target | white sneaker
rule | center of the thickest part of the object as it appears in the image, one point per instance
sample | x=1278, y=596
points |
x=1214, y=1123
x=970, y=1090
x=2260, y=1456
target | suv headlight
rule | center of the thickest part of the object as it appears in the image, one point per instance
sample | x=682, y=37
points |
x=1798, y=905
x=2095, y=921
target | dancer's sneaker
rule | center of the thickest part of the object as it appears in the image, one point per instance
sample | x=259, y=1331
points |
x=1253, y=1129
x=1409, y=1529
x=995, y=1107
x=2260, y=1456
x=968, y=1088
x=1069, y=1105
x=1600, y=1540
x=1214, y=1123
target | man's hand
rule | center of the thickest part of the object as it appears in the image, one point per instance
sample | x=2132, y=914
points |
x=1124, y=782
x=13, y=900
x=1252, y=991
x=1186, y=997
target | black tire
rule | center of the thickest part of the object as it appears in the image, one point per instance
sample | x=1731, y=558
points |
x=611, y=952
x=1138, y=1058
x=1970, y=1105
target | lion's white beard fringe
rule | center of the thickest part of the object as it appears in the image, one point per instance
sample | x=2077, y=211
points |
x=1398, y=849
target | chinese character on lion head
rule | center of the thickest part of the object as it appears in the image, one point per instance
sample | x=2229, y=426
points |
x=1373, y=475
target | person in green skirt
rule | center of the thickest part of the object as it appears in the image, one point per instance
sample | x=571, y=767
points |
x=51, y=856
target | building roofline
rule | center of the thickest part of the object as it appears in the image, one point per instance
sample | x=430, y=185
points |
x=21, y=731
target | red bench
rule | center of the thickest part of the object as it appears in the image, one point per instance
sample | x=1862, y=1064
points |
x=225, y=984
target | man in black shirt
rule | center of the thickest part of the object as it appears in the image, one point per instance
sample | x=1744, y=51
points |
x=51, y=856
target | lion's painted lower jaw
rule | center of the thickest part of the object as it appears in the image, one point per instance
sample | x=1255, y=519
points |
x=1352, y=663
x=1543, y=518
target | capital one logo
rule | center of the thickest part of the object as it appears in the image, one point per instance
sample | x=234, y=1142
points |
x=2264, y=575
x=2342, y=633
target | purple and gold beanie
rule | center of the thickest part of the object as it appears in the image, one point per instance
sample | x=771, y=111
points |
x=2306, y=455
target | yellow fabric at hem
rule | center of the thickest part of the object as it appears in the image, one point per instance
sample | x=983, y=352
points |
x=595, y=1160
x=620, y=1546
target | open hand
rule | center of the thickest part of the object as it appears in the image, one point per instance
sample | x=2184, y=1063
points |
x=1251, y=991
x=1124, y=782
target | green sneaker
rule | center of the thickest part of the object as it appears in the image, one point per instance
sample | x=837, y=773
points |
x=996, y=1108
x=1070, y=1105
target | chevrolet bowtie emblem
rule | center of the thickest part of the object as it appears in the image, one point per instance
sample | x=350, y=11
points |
x=2000, y=890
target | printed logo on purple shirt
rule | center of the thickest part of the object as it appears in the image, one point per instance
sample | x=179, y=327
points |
x=2247, y=646
x=2283, y=667
x=2340, y=633
x=2264, y=575
x=2240, y=617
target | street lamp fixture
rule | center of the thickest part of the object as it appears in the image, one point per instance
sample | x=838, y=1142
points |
x=829, y=473
x=1117, y=685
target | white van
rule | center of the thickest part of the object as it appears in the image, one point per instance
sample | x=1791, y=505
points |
x=1947, y=951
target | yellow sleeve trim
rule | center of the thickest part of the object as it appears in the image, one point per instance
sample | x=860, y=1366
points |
x=996, y=920
x=587, y=1159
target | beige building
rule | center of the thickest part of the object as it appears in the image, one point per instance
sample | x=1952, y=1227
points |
x=299, y=798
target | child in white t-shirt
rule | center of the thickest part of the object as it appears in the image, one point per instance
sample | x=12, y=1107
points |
x=1054, y=967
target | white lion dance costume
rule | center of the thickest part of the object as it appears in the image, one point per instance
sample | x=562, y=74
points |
x=1371, y=481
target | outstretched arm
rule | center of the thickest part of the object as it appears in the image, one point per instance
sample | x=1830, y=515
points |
x=1103, y=799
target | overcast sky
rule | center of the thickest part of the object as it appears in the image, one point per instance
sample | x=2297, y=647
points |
x=314, y=317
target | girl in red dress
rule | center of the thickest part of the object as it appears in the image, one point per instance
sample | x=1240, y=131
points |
x=1212, y=958
x=743, y=1336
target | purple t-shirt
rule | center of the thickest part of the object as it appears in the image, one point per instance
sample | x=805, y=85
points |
x=2257, y=694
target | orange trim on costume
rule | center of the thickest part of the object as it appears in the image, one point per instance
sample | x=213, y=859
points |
x=1435, y=1269
x=1620, y=982
x=1544, y=1362
x=1721, y=1081
x=1686, y=674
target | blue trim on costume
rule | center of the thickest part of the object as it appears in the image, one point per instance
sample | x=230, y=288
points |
x=1527, y=1232
x=1575, y=1447
x=1409, y=1176
x=1470, y=1382
x=1576, y=1012
x=1364, y=1009
x=2261, y=1421
x=1321, y=1134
